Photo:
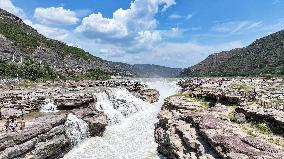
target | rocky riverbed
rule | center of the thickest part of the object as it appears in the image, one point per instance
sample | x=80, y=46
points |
x=233, y=118
x=59, y=115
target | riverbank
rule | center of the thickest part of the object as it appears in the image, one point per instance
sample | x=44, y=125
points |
x=223, y=118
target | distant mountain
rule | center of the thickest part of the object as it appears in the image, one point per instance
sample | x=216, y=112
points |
x=264, y=56
x=20, y=43
x=143, y=70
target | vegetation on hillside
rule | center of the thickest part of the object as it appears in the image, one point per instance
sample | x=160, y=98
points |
x=261, y=58
x=97, y=74
x=28, y=40
x=32, y=71
x=28, y=70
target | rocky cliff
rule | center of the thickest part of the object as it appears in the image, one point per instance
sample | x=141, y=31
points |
x=264, y=56
x=187, y=130
x=225, y=120
x=20, y=42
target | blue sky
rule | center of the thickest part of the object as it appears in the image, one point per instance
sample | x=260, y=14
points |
x=175, y=33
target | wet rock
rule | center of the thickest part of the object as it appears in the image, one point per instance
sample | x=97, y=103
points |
x=18, y=150
x=149, y=95
x=96, y=120
x=240, y=117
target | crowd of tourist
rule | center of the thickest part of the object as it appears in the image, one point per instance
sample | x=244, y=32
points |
x=11, y=124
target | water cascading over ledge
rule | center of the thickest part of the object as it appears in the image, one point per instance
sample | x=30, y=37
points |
x=118, y=104
x=130, y=136
x=76, y=129
x=49, y=106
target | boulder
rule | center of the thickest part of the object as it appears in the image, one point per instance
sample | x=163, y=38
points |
x=149, y=95
x=96, y=120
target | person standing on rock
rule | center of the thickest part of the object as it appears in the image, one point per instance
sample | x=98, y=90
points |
x=0, y=114
x=7, y=124
x=13, y=124
x=23, y=124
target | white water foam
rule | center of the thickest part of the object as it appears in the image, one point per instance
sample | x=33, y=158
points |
x=76, y=129
x=48, y=106
x=133, y=136
x=105, y=105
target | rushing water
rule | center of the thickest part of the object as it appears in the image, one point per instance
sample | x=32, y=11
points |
x=48, y=106
x=76, y=129
x=130, y=134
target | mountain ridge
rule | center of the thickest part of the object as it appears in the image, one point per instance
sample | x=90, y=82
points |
x=20, y=42
x=263, y=56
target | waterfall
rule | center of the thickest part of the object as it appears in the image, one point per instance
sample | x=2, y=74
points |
x=105, y=105
x=132, y=135
x=118, y=104
x=76, y=129
x=48, y=106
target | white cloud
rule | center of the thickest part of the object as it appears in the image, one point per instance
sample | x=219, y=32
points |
x=173, y=32
x=148, y=37
x=178, y=16
x=169, y=54
x=10, y=7
x=131, y=27
x=185, y=54
x=189, y=16
x=175, y=16
x=96, y=25
x=51, y=32
x=273, y=27
x=54, y=15
x=134, y=30
x=236, y=26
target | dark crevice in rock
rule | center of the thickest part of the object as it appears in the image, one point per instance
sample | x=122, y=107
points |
x=206, y=133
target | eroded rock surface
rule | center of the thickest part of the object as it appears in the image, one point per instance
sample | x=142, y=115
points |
x=96, y=120
x=43, y=138
x=149, y=95
x=188, y=130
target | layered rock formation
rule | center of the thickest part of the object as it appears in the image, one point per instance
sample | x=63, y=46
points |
x=149, y=95
x=18, y=100
x=72, y=115
x=187, y=130
x=45, y=137
x=223, y=118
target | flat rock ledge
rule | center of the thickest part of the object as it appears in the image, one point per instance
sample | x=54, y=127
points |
x=45, y=137
x=18, y=100
x=187, y=130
